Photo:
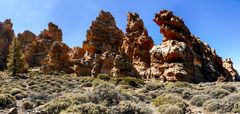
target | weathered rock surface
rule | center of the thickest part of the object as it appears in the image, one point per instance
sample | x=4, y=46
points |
x=45, y=41
x=137, y=43
x=182, y=56
x=103, y=35
x=27, y=40
x=6, y=36
x=76, y=53
x=228, y=65
x=58, y=58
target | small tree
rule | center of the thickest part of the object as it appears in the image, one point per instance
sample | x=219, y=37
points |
x=15, y=62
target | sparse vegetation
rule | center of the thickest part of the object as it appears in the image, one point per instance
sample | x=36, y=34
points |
x=66, y=94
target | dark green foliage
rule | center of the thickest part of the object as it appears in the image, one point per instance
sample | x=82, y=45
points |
x=15, y=62
x=104, y=77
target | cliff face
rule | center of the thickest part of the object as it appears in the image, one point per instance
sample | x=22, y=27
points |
x=182, y=56
x=137, y=43
x=6, y=36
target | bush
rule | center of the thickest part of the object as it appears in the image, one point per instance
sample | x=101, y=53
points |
x=104, y=93
x=15, y=91
x=212, y=105
x=57, y=105
x=170, y=109
x=229, y=88
x=219, y=93
x=153, y=86
x=131, y=81
x=27, y=105
x=104, y=77
x=198, y=100
x=129, y=107
x=88, y=108
x=7, y=100
x=167, y=99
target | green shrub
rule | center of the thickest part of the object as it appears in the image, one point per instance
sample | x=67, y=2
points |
x=27, y=105
x=129, y=107
x=105, y=93
x=153, y=86
x=7, y=100
x=88, y=108
x=170, y=109
x=229, y=88
x=212, y=105
x=104, y=77
x=219, y=93
x=198, y=100
x=134, y=82
x=57, y=105
x=167, y=99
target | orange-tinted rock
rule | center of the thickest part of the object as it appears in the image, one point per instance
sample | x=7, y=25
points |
x=228, y=65
x=103, y=35
x=137, y=43
x=45, y=41
x=6, y=36
x=58, y=58
x=28, y=42
x=76, y=53
x=181, y=56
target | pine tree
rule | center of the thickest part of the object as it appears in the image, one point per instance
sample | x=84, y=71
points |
x=15, y=61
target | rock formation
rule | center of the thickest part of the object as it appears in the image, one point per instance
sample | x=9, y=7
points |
x=228, y=65
x=6, y=36
x=45, y=41
x=27, y=41
x=103, y=35
x=181, y=56
x=76, y=53
x=58, y=58
x=137, y=43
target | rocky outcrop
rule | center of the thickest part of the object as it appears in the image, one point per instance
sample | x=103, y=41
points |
x=27, y=40
x=182, y=56
x=58, y=58
x=45, y=41
x=6, y=36
x=103, y=35
x=137, y=43
x=76, y=53
x=228, y=65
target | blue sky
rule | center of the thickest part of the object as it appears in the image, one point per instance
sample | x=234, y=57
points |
x=216, y=22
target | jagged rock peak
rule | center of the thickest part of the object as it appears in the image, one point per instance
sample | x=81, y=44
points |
x=103, y=35
x=137, y=43
x=53, y=32
x=182, y=56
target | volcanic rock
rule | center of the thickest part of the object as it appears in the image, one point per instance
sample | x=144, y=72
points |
x=6, y=36
x=58, y=58
x=103, y=35
x=228, y=65
x=137, y=43
x=45, y=41
x=182, y=56
x=76, y=53
x=27, y=41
